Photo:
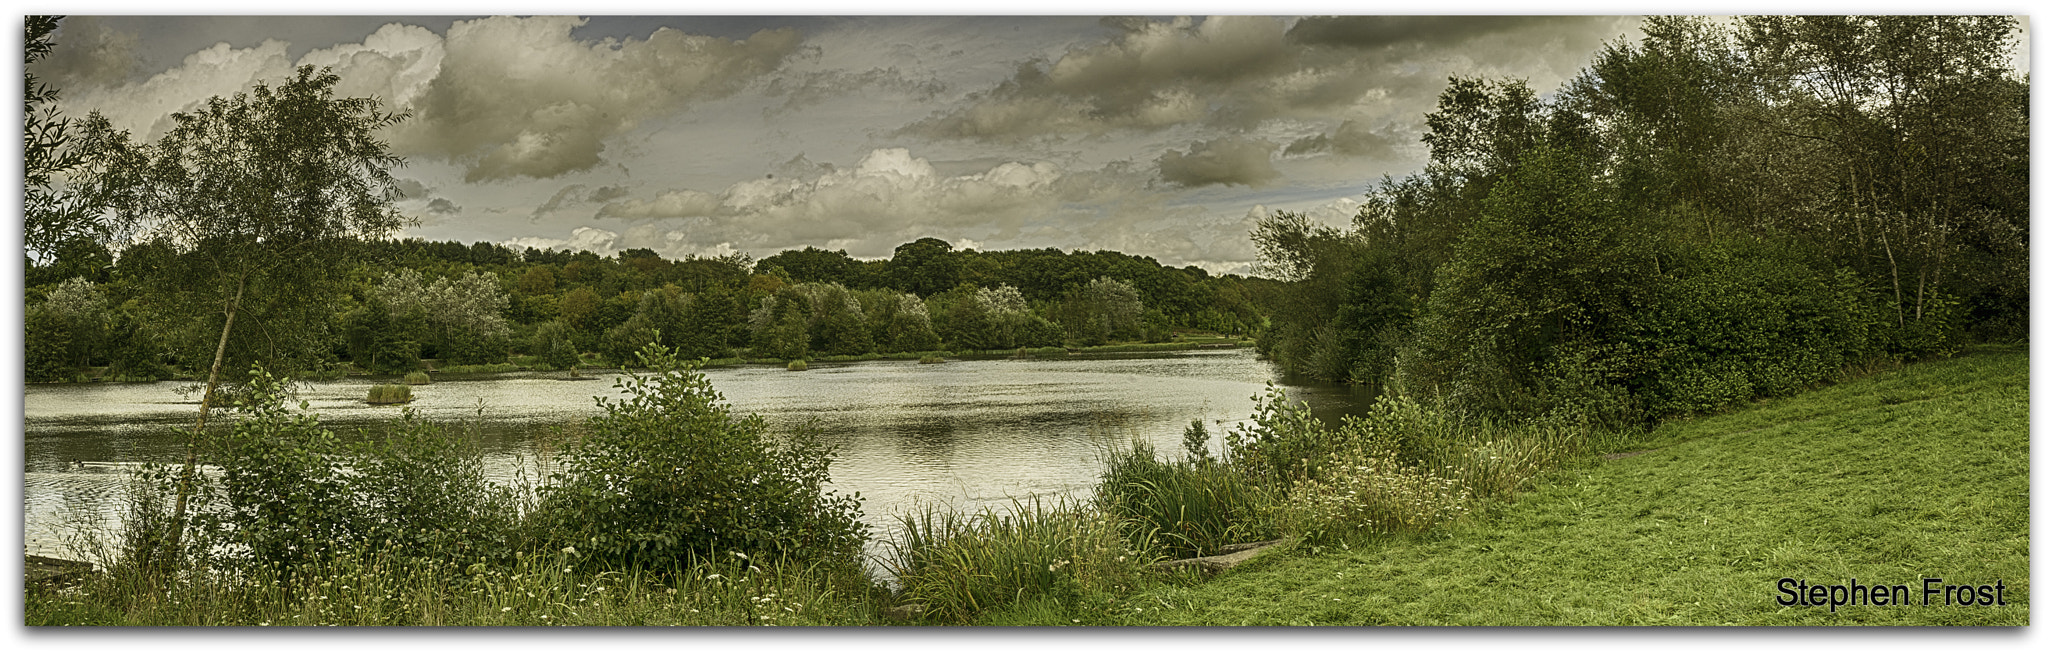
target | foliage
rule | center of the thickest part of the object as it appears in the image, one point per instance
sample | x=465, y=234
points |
x=1372, y=492
x=669, y=473
x=252, y=197
x=417, y=377
x=292, y=492
x=962, y=565
x=1185, y=508
x=551, y=342
x=51, y=219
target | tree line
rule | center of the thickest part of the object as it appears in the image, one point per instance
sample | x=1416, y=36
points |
x=1720, y=212
x=396, y=302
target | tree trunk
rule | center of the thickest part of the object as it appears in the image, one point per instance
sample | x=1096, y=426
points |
x=199, y=429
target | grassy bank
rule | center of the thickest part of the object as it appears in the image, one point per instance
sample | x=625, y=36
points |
x=1919, y=472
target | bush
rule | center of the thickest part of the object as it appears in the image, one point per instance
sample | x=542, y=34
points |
x=798, y=365
x=416, y=378
x=669, y=473
x=291, y=493
x=390, y=394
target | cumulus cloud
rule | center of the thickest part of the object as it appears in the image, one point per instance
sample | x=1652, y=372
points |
x=504, y=97
x=1228, y=160
x=145, y=108
x=521, y=97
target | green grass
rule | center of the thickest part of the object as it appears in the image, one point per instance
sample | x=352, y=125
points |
x=534, y=591
x=1917, y=472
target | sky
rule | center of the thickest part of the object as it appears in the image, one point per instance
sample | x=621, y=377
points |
x=1164, y=136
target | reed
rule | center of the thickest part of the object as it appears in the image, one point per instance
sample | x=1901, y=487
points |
x=416, y=378
x=962, y=565
x=389, y=394
x=1188, y=508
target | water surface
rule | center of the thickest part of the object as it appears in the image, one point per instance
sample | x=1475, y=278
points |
x=963, y=433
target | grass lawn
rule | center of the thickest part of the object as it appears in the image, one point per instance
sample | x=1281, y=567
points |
x=1916, y=473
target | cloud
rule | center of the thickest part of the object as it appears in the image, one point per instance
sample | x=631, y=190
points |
x=1150, y=76
x=1236, y=73
x=818, y=87
x=89, y=53
x=1352, y=139
x=443, y=206
x=1416, y=31
x=1229, y=160
x=503, y=97
x=145, y=108
x=520, y=97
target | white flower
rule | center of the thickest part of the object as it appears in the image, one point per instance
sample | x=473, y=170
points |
x=506, y=610
x=570, y=550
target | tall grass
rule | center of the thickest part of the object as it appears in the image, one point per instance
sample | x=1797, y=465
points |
x=962, y=565
x=389, y=394
x=1187, y=508
x=535, y=590
x=416, y=378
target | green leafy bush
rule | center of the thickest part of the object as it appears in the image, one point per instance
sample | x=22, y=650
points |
x=291, y=492
x=669, y=473
x=416, y=378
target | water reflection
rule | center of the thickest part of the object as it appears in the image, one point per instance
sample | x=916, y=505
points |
x=963, y=433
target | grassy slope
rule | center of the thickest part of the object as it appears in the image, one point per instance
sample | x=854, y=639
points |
x=1910, y=473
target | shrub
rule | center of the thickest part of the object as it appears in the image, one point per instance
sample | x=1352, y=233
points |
x=798, y=365
x=669, y=473
x=390, y=394
x=291, y=493
x=931, y=358
x=416, y=378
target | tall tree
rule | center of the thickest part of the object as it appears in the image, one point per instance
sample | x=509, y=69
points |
x=257, y=195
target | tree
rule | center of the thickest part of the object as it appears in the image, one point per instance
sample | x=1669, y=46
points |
x=257, y=195
x=49, y=219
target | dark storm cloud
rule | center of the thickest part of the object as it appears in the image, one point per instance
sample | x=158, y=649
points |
x=1228, y=160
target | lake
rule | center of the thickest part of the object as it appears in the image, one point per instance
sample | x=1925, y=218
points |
x=967, y=433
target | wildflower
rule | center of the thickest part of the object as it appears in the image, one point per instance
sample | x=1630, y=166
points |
x=505, y=610
x=570, y=550
x=712, y=576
